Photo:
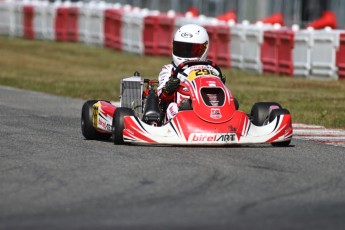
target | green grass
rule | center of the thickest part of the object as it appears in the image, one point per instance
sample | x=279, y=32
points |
x=80, y=71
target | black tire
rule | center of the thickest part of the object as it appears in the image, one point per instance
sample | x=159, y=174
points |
x=281, y=144
x=276, y=113
x=237, y=105
x=272, y=116
x=89, y=132
x=260, y=112
x=118, y=124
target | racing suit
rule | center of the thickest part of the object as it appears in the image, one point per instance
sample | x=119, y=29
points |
x=163, y=77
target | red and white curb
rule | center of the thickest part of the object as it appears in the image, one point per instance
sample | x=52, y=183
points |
x=319, y=134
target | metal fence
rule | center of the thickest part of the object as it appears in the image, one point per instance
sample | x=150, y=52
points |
x=295, y=11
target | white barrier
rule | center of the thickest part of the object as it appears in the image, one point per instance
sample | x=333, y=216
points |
x=50, y=19
x=236, y=46
x=323, y=54
x=314, y=53
x=245, y=45
x=301, y=52
x=132, y=30
x=6, y=17
x=94, y=24
x=83, y=21
x=254, y=36
x=16, y=28
x=40, y=20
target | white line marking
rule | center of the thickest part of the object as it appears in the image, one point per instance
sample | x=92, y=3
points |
x=319, y=134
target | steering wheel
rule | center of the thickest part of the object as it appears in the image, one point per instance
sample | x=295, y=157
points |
x=179, y=68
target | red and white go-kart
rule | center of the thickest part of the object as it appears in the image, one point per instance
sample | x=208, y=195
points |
x=208, y=115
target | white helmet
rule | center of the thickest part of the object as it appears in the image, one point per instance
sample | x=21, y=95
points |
x=191, y=42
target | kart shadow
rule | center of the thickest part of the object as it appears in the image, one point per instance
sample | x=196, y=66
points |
x=105, y=141
x=235, y=146
x=253, y=146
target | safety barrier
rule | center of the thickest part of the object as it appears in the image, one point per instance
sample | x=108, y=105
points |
x=286, y=46
x=61, y=23
x=113, y=28
x=95, y=28
x=6, y=17
x=17, y=27
x=50, y=23
x=302, y=53
x=341, y=57
x=83, y=21
x=236, y=44
x=72, y=24
x=150, y=35
x=252, y=47
x=90, y=23
x=269, y=52
x=28, y=22
x=219, y=51
x=276, y=51
x=246, y=41
x=158, y=33
x=309, y=44
x=165, y=32
x=40, y=21
x=132, y=31
x=326, y=43
x=256, y=47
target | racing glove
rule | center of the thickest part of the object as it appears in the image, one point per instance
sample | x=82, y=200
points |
x=171, y=85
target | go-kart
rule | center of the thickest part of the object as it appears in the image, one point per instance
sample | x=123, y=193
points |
x=208, y=115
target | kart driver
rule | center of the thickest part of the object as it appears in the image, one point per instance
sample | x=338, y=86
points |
x=191, y=42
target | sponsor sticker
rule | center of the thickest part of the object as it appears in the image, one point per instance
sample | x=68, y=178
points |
x=186, y=35
x=212, y=137
x=103, y=124
x=215, y=113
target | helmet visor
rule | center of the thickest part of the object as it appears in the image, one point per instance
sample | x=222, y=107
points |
x=189, y=50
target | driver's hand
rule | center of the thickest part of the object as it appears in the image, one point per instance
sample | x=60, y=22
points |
x=171, y=85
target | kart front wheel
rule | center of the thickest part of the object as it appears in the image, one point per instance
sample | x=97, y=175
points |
x=272, y=116
x=118, y=124
x=89, y=132
x=281, y=144
x=260, y=112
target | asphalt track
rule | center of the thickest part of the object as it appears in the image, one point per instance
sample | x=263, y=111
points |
x=51, y=178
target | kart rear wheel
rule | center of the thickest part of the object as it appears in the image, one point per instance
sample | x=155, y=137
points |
x=89, y=132
x=260, y=112
x=118, y=124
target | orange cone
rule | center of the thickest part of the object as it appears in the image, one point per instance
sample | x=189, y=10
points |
x=328, y=18
x=274, y=19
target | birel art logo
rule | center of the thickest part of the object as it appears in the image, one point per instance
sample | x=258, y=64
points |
x=186, y=35
x=211, y=137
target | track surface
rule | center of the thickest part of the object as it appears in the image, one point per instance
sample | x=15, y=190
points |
x=51, y=178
